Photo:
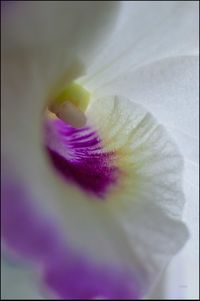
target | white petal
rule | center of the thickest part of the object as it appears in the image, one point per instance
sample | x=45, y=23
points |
x=146, y=31
x=169, y=89
x=181, y=278
x=59, y=27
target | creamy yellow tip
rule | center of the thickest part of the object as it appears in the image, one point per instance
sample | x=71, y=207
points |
x=75, y=94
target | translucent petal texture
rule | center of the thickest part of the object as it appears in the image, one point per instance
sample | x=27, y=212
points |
x=130, y=139
x=146, y=31
x=169, y=89
x=143, y=151
x=115, y=248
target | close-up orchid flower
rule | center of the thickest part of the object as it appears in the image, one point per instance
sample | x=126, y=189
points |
x=99, y=150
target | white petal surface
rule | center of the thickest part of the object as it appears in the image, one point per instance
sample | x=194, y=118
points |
x=169, y=89
x=147, y=31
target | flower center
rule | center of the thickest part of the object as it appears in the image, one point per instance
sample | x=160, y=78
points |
x=77, y=154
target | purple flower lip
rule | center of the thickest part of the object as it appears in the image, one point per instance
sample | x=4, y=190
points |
x=78, y=155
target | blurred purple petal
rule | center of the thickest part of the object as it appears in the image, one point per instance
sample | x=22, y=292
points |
x=34, y=236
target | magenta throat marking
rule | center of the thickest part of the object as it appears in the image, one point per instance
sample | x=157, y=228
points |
x=78, y=155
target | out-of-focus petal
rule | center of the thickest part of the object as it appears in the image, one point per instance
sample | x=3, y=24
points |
x=63, y=37
x=43, y=43
x=146, y=31
x=68, y=272
x=58, y=27
x=18, y=282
